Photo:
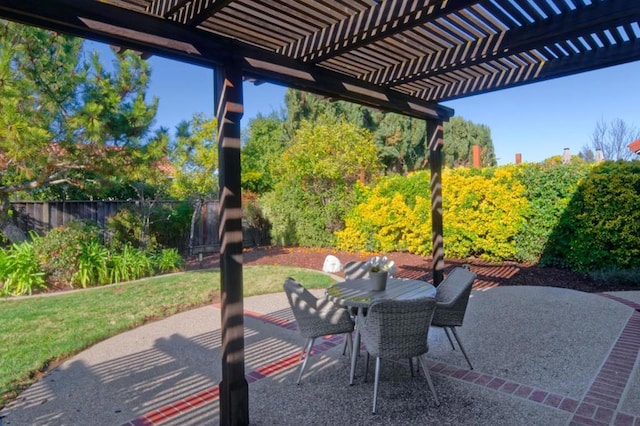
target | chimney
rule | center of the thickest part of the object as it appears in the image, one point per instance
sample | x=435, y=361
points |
x=476, y=155
x=566, y=156
x=599, y=155
x=518, y=158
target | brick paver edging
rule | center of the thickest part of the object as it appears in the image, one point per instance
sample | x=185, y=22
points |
x=598, y=407
x=184, y=405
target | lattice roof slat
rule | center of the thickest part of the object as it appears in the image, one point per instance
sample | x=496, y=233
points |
x=405, y=56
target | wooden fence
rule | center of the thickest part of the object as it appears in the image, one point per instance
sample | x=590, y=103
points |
x=42, y=216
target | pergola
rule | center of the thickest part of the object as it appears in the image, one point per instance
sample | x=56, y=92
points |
x=404, y=56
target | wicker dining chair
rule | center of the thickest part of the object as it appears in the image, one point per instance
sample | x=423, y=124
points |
x=397, y=329
x=315, y=318
x=452, y=298
x=356, y=269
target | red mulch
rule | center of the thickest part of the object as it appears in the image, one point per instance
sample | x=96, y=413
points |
x=418, y=267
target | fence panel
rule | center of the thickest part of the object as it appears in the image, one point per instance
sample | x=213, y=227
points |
x=42, y=216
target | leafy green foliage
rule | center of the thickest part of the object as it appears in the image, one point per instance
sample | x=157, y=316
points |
x=482, y=215
x=600, y=228
x=460, y=136
x=482, y=212
x=129, y=264
x=549, y=188
x=401, y=140
x=194, y=157
x=125, y=228
x=92, y=265
x=169, y=223
x=386, y=218
x=60, y=249
x=20, y=273
x=66, y=120
x=314, y=180
x=167, y=260
x=261, y=153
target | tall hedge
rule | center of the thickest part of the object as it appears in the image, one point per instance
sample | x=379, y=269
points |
x=600, y=227
x=548, y=190
x=483, y=212
x=582, y=216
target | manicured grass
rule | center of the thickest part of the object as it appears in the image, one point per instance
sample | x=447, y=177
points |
x=38, y=331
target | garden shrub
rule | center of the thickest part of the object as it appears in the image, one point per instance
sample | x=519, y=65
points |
x=92, y=265
x=613, y=277
x=600, y=227
x=379, y=225
x=482, y=212
x=129, y=264
x=384, y=220
x=314, y=185
x=59, y=250
x=20, y=272
x=410, y=187
x=254, y=219
x=167, y=260
x=126, y=228
x=170, y=223
x=548, y=187
x=418, y=239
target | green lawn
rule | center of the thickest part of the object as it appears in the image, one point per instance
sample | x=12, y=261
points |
x=39, y=331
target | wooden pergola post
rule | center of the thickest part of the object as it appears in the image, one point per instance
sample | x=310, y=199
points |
x=234, y=390
x=435, y=142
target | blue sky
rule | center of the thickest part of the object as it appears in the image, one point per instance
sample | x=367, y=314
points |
x=537, y=120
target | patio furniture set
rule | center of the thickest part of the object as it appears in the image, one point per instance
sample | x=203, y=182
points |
x=392, y=323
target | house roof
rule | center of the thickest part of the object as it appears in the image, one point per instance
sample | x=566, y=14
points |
x=635, y=146
x=405, y=56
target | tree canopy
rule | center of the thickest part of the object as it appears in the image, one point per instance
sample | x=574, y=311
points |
x=263, y=146
x=460, y=136
x=66, y=119
x=612, y=140
x=401, y=140
x=315, y=181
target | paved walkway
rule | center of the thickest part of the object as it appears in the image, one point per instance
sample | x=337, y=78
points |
x=542, y=356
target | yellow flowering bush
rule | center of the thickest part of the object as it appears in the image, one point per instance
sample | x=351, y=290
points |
x=483, y=213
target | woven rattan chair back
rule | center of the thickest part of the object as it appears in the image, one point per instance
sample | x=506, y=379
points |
x=397, y=329
x=315, y=318
x=356, y=269
x=452, y=298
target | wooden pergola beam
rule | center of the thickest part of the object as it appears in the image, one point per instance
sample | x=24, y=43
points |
x=234, y=389
x=498, y=77
x=188, y=12
x=581, y=22
x=383, y=19
x=165, y=38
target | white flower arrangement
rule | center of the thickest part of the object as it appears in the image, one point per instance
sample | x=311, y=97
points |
x=381, y=263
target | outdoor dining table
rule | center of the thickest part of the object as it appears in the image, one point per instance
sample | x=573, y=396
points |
x=358, y=294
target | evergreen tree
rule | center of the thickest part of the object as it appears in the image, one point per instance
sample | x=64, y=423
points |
x=65, y=119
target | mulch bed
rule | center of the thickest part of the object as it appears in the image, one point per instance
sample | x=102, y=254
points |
x=419, y=267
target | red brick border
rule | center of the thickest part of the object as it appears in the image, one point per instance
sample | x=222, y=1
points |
x=598, y=407
x=184, y=405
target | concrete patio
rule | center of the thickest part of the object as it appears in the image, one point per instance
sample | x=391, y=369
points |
x=542, y=356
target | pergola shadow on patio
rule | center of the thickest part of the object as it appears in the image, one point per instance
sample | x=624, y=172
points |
x=396, y=55
x=541, y=356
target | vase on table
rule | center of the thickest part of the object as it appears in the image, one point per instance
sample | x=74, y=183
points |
x=378, y=280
